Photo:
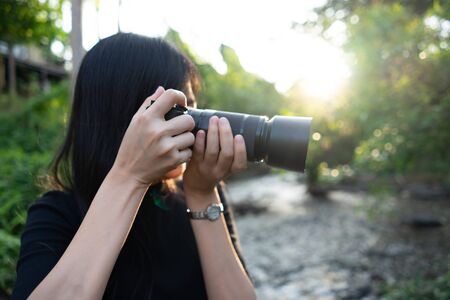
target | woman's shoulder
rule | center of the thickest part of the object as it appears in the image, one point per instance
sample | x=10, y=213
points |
x=57, y=206
x=52, y=221
x=55, y=197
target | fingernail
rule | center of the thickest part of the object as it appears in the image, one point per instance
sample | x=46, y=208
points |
x=159, y=89
x=214, y=119
x=239, y=138
x=224, y=121
x=200, y=133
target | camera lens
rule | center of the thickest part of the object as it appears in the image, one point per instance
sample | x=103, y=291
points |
x=280, y=142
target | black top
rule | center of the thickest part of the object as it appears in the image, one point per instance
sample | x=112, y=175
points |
x=174, y=271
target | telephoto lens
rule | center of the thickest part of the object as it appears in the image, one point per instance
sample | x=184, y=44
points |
x=280, y=142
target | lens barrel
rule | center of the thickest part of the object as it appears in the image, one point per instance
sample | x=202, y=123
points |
x=280, y=142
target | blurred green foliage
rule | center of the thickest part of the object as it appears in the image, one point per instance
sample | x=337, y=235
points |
x=393, y=117
x=29, y=135
x=236, y=90
x=31, y=21
x=420, y=289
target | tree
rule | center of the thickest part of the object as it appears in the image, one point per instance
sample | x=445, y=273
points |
x=76, y=36
x=236, y=90
x=398, y=96
x=25, y=22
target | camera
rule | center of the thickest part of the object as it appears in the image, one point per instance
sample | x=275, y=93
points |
x=280, y=142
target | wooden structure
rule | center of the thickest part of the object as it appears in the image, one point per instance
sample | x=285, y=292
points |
x=29, y=65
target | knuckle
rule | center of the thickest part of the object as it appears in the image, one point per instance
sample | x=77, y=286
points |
x=139, y=119
x=147, y=117
x=209, y=153
x=165, y=131
x=227, y=154
x=240, y=167
x=198, y=151
x=171, y=146
x=175, y=93
x=174, y=160
x=171, y=92
x=167, y=147
x=154, y=132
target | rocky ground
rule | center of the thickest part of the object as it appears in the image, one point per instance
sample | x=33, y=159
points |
x=298, y=247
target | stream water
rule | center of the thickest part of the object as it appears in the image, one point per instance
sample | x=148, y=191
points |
x=299, y=247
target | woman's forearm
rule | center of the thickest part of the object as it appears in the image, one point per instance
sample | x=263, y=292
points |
x=225, y=277
x=85, y=267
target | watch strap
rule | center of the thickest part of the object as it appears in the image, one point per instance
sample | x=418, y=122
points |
x=197, y=214
x=203, y=214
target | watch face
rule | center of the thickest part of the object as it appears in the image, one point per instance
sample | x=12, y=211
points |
x=213, y=212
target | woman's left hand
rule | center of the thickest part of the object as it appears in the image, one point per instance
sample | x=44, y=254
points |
x=222, y=155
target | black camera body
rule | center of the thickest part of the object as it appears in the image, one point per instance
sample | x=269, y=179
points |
x=280, y=142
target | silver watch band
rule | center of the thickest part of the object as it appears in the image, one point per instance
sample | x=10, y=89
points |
x=197, y=214
x=211, y=213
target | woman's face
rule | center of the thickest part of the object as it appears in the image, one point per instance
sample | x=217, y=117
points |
x=191, y=102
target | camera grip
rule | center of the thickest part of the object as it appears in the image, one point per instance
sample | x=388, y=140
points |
x=175, y=111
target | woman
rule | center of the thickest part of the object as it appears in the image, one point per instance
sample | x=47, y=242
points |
x=118, y=228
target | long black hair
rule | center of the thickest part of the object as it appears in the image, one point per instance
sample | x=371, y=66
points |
x=114, y=78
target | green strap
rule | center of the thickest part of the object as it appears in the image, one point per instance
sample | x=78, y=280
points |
x=159, y=201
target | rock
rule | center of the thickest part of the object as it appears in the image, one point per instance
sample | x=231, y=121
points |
x=398, y=249
x=245, y=208
x=422, y=221
x=358, y=292
x=427, y=192
x=392, y=250
x=318, y=191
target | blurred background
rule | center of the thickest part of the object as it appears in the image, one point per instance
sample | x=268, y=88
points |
x=370, y=218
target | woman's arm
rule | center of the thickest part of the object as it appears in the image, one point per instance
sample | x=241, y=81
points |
x=225, y=277
x=228, y=214
x=84, y=269
x=150, y=148
x=212, y=160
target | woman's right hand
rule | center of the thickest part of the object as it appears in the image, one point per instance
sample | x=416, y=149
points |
x=151, y=145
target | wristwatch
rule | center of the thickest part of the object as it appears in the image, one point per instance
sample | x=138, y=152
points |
x=212, y=212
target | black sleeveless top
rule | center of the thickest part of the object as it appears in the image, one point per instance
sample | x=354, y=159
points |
x=168, y=269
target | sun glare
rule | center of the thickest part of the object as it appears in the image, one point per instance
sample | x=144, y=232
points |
x=270, y=49
x=322, y=71
x=327, y=80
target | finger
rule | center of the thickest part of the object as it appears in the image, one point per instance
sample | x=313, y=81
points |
x=159, y=91
x=184, y=140
x=226, y=146
x=212, y=141
x=199, y=146
x=184, y=155
x=167, y=100
x=180, y=124
x=240, y=154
